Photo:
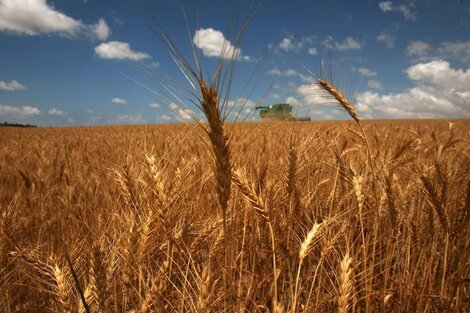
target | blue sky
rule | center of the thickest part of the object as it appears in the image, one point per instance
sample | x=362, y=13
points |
x=77, y=62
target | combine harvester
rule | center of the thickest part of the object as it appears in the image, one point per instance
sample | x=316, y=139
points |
x=279, y=112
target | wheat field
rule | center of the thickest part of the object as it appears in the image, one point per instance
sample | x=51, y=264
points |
x=129, y=218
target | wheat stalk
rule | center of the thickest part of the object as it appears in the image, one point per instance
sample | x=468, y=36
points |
x=259, y=205
x=98, y=282
x=345, y=284
x=305, y=248
x=342, y=100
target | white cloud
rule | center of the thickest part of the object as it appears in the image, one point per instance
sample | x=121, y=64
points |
x=405, y=9
x=366, y=72
x=154, y=105
x=386, y=6
x=120, y=51
x=130, y=119
x=291, y=72
x=440, y=75
x=165, y=118
x=11, y=86
x=291, y=44
x=418, y=48
x=117, y=100
x=275, y=71
x=348, y=44
x=23, y=111
x=440, y=92
x=214, y=44
x=101, y=29
x=292, y=101
x=458, y=50
x=286, y=44
x=328, y=42
x=181, y=112
x=242, y=109
x=154, y=65
x=407, y=13
x=55, y=111
x=93, y=112
x=312, y=51
x=374, y=84
x=35, y=17
x=387, y=39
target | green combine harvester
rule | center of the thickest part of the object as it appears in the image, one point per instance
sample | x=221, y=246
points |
x=278, y=112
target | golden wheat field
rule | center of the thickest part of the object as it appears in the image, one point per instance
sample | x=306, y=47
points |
x=128, y=218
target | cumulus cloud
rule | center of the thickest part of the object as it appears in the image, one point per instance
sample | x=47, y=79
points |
x=275, y=71
x=348, y=44
x=57, y=112
x=101, y=29
x=154, y=105
x=374, y=84
x=407, y=12
x=286, y=44
x=405, y=9
x=165, y=118
x=181, y=113
x=439, y=74
x=130, y=119
x=214, y=44
x=242, y=109
x=34, y=17
x=366, y=72
x=291, y=44
x=312, y=51
x=117, y=100
x=19, y=112
x=418, y=48
x=291, y=72
x=311, y=101
x=11, y=86
x=386, y=39
x=386, y=6
x=440, y=92
x=119, y=51
x=457, y=50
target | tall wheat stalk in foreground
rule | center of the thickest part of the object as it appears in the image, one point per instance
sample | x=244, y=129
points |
x=212, y=99
x=344, y=102
x=349, y=107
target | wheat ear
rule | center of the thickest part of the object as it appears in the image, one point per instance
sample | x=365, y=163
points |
x=305, y=248
x=345, y=284
x=342, y=100
x=259, y=205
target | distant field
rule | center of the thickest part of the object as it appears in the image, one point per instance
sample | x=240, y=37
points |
x=311, y=221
